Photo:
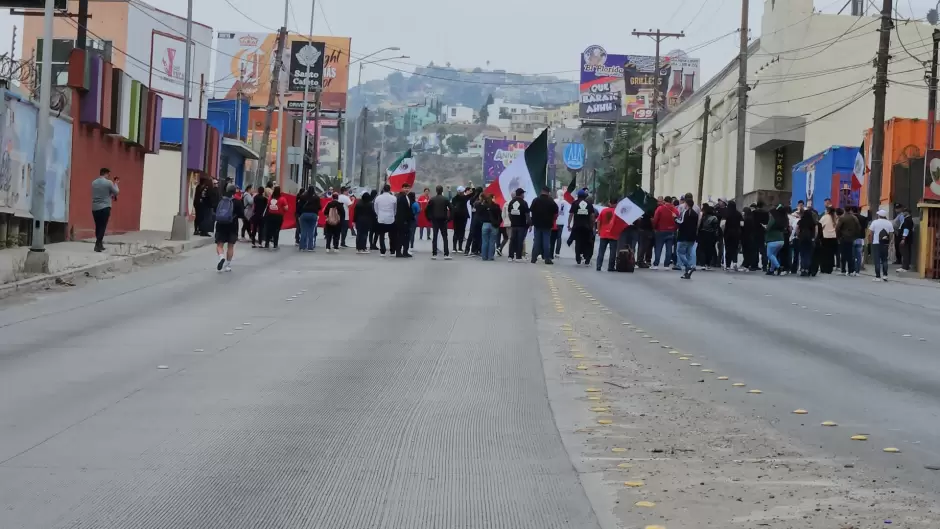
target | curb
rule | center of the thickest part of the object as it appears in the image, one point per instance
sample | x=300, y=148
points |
x=115, y=264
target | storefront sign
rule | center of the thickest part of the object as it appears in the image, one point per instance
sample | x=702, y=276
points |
x=779, y=170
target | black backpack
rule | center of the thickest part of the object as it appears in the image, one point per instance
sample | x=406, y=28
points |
x=884, y=237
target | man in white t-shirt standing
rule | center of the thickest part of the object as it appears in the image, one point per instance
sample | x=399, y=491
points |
x=344, y=224
x=882, y=232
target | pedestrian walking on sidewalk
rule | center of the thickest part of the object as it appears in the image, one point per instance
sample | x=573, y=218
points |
x=438, y=211
x=882, y=233
x=103, y=191
x=404, y=218
x=605, y=230
x=365, y=222
x=543, y=211
x=308, y=205
x=686, y=237
x=227, y=214
x=346, y=202
x=490, y=215
x=581, y=225
x=386, y=206
x=248, y=201
x=519, y=223
x=274, y=217
x=335, y=214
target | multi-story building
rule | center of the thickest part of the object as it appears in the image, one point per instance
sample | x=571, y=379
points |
x=528, y=122
x=457, y=114
x=500, y=113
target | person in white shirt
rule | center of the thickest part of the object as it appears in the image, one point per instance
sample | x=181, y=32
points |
x=385, y=206
x=882, y=232
x=344, y=224
x=560, y=223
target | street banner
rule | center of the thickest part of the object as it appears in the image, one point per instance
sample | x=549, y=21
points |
x=245, y=60
x=498, y=155
x=932, y=178
x=620, y=87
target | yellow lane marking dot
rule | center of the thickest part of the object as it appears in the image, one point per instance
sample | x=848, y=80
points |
x=739, y=384
x=618, y=450
x=582, y=368
x=800, y=412
x=693, y=364
x=624, y=465
x=829, y=423
x=654, y=527
x=683, y=358
x=572, y=339
x=599, y=409
x=633, y=483
x=605, y=421
x=654, y=341
x=577, y=356
x=594, y=398
x=722, y=378
x=755, y=391
x=892, y=450
x=707, y=371
x=859, y=438
x=645, y=504
x=625, y=323
x=592, y=390
x=673, y=352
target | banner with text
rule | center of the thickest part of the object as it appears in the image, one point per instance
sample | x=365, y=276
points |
x=620, y=87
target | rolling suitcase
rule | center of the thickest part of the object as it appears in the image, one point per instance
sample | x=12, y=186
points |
x=626, y=261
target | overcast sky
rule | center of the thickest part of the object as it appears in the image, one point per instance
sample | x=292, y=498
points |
x=515, y=35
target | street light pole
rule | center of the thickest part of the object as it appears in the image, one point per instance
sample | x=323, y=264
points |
x=37, y=260
x=303, y=120
x=356, y=131
x=180, y=228
x=281, y=144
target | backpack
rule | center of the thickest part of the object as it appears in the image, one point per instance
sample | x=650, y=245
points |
x=333, y=217
x=884, y=237
x=225, y=211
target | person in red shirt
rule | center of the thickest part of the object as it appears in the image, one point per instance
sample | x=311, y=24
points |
x=664, y=228
x=423, y=203
x=605, y=231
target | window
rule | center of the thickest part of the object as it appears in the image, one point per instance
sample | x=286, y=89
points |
x=61, y=49
x=453, y=112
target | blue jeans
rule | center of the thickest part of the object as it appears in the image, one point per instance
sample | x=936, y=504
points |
x=488, y=242
x=664, y=238
x=684, y=255
x=859, y=250
x=880, y=253
x=542, y=245
x=308, y=231
x=773, y=248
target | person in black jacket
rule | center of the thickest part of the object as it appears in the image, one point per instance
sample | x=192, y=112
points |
x=686, y=236
x=581, y=223
x=438, y=211
x=518, y=224
x=333, y=230
x=732, y=234
x=404, y=217
x=461, y=214
x=475, y=237
x=365, y=222
x=308, y=211
x=543, y=211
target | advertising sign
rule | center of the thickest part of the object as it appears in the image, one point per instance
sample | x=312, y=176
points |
x=574, y=156
x=245, y=61
x=779, y=170
x=621, y=86
x=498, y=154
x=167, y=62
x=932, y=178
x=324, y=123
x=304, y=56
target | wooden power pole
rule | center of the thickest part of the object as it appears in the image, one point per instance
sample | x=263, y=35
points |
x=742, y=107
x=881, y=90
x=657, y=36
x=701, y=163
x=275, y=77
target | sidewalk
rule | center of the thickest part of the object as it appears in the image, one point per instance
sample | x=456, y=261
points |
x=78, y=258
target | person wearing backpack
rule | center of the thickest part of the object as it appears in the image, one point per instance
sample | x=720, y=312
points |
x=335, y=215
x=227, y=213
x=708, y=235
x=274, y=217
x=882, y=232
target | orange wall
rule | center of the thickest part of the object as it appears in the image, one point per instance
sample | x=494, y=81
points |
x=108, y=21
x=900, y=133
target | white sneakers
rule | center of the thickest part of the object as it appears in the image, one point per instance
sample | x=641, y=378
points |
x=447, y=258
x=434, y=258
x=654, y=267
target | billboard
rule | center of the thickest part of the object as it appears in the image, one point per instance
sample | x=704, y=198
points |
x=167, y=62
x=498, y=154
x=245, y=61
x=304, y=56
x=620, y=87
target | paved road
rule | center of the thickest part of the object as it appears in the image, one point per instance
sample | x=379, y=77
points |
x=834, y=346
x=386, y=394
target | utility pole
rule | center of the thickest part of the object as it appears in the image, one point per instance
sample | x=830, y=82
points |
x=378, y=170
x=742, y=107
x=303, y=119
x=878, y=129
x=282, y=94
x=658, y=36
x=361, y=147
x=81, y=42
x=266, y=135
x=13, y=45
x=315, y=156
x=341, y=128
x=932, y=94
x=179, y=230
x=37, y=260
x=701, y=164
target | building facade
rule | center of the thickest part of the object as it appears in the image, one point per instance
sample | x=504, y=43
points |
x=810, y=77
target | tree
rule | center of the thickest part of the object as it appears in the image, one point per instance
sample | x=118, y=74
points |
x=325, y=181
x=457, y=144
x=624, y=161
x=484, y=110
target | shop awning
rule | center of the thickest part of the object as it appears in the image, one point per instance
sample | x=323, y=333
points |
x=241, y=148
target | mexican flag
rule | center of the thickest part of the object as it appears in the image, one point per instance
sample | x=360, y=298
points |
x=569, y=193
x=858, y=172
x=628, y=211
x=401, y=172
x=522, y=172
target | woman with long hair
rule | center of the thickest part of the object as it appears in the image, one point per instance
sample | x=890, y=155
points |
x=708, y=232
x=490, y=216
x=365, y=222
x=774, y=234
x=335, y=215
x=274, y=217
x=309, y=211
